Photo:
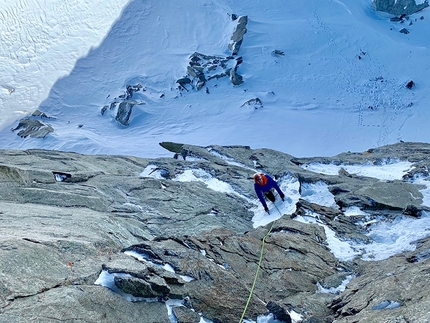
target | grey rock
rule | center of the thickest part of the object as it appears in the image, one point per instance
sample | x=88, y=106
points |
x=192, y=72
x=40, y=114
x=186, y=315
x=334, y=280
x=103, y=110
x=203, y=68
x=32, y=128
x=278, y=52
x=237, y=37
x=278, y=312
x=183, y=80
x=314, y=319
x=254, y=102
x=131, y=89
x=149, y=287
x=399, y=7
x=376, y=295
x=82, y=304
x=125, y=109
x=122, y=106
x=67, y=217
x=235, y=78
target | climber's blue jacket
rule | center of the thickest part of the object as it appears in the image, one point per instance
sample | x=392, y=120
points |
x=263, y=184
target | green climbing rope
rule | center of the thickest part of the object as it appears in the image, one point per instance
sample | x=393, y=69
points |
x=258, y=268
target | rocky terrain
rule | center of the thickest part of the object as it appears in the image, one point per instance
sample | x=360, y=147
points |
x=173, y=250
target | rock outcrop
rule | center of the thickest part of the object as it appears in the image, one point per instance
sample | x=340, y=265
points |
x=125, y=109
x=203, y=68
x=400, y=7
x=30, y=127
x=237, y=37
x=157, y=232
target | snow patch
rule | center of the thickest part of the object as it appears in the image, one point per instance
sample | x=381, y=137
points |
x=318, y=193
x=200, y=175
x=384, y=170
x=153, y=171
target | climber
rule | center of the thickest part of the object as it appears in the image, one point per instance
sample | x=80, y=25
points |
x=264, y=185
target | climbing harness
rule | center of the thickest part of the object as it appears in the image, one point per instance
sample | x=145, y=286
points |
x=258, y=267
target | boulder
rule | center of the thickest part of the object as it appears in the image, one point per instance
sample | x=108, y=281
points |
x=235, y=78
x=399, y=7
x=125, y=109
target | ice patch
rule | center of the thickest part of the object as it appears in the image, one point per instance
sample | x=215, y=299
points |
x=318, y=193
x=342, y=250
x=393, y=237
x=389, y=237
x=386, y=305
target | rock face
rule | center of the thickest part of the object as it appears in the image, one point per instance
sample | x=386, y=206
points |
x=237, y=37
x=32, y=128
x=400, y=7
x=73, y=224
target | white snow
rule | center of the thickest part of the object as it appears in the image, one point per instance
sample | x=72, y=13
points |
x=353, y=210
x=342, y=250
x=268, y=318
x=152, y=171
x=340, y=85
x=420, y=180
x=389, y=170
x=199, y=175
x=41, y=41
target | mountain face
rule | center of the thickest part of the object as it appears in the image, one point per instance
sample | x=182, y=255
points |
x=181, y=233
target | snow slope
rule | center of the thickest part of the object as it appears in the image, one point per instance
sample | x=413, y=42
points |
x=339, y=87
x=40, y=41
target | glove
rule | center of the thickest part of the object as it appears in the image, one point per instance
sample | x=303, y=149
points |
x=282, y=197
x=267, y=210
